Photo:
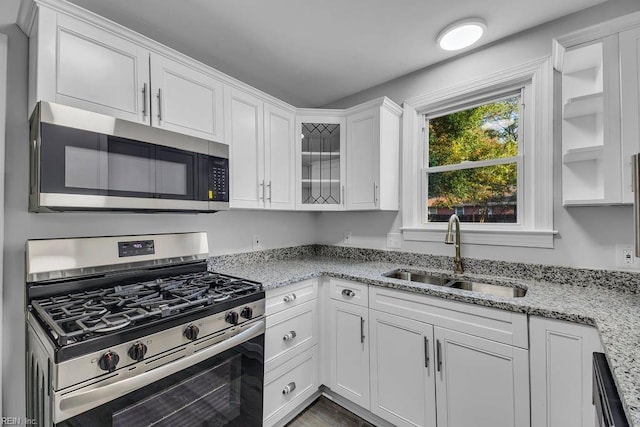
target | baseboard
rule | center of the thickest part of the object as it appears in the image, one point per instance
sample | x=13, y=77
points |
x=301, y=407
x=355, y=409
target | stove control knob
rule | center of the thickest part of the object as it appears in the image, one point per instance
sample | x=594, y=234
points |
x=247, y=312
x=232, y=317
x=191, y=332
x=137, y=351
x=108, y=361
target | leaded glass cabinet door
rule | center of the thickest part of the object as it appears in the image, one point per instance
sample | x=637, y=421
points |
x=321, y=163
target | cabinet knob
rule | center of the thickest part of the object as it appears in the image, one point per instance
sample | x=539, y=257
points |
x=289, y=336
x=289, y=388
x=289, y=298
x=348, y=293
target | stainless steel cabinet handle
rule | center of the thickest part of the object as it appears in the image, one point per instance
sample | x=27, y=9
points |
x=261, y=185
x=269, y=185
x=438, y=355
x=144, y=101
x=375, y=193
x=342, y=201
x=289, y=336
x=348, y=293
x=426, y=352
x=159, y=104
x=289, y=298
x=362, y=329
x=289, y=388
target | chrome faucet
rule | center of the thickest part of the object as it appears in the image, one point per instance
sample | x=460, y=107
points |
x=449, y=240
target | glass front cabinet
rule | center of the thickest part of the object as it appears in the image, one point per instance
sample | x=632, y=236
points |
x=320, y=150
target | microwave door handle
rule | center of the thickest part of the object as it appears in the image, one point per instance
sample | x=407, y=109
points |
x=75, y=403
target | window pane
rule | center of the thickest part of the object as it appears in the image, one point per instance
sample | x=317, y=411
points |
x=489, y=131
x=485, y=194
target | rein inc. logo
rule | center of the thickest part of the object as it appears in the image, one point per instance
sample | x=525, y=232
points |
x=18, y=421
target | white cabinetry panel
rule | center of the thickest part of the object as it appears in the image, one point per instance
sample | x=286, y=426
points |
x=630, y=101
x=186, y=100
x=363, y=153
x=349, y=351
x=244, y=133
x=97, y=70
x=402, y=373
x=279, y=157
x=480, y=382
x=561, y=373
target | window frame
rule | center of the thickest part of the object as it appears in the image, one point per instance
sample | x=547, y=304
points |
x=535, y=226
x=518, y=159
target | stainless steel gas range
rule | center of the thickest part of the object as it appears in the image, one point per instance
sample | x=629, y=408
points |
x=134, y=331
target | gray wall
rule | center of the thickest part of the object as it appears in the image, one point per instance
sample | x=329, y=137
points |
x=228, y=231
x=587, y=235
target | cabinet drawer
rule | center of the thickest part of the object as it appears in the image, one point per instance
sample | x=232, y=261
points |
x=289, y=333
x=491, y=323
x=289, y=385
x=347, y=291
x=291, y=296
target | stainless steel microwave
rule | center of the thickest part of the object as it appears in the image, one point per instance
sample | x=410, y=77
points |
x=84, y=161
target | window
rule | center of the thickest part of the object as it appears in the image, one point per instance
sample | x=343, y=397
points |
x=483, y=150
x=473, y=161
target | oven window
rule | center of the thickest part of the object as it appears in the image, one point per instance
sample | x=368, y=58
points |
x=224, y=390
x=211, y=395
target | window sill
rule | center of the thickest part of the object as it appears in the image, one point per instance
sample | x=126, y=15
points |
x=521, y=238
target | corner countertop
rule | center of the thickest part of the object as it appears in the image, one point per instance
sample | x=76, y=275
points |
x=615, y=313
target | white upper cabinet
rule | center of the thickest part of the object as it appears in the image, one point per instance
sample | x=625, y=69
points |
x=185, y=100
x=260, y=136
x=244, y=133
x=630, y=99
x=279, y=161
x=81, y=64
x=373, y=156
x=84, y=66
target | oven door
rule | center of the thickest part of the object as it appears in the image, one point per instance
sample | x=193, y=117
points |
x=223, y=390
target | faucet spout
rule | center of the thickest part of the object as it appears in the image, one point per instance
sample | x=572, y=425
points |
x=450, y=240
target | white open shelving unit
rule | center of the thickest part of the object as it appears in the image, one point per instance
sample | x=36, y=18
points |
x=583, y=165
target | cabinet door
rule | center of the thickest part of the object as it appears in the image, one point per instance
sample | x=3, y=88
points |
x=185, y=100
x=363, y=156
x=244, y=133
x=279, y=127
x=98, y=71
x=349, y=352
x=320, y=162
x=402, y=370
x=629, y=45
x=479, y=382
x=561, y=356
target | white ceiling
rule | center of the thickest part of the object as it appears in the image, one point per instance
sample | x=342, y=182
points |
x=312, y=52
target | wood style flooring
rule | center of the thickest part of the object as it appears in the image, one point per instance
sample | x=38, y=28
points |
x=324, y=412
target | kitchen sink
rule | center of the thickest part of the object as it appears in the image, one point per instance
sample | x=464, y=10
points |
x=488, y=288
x=484, y=288
x=418, y=277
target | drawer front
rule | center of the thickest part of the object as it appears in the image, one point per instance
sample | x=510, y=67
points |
x=291, y=296
x=347, y=291
x=491, y=323
x=290, y=332
x=289, y=385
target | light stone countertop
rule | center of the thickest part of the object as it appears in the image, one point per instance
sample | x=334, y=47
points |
x=615, y=313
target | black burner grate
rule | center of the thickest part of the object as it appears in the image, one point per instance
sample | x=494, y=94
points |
x=79, y=316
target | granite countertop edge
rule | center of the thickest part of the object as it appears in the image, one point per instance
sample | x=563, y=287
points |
x=609, y=310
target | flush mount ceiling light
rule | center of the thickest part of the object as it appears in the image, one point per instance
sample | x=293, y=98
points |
x=461, y=34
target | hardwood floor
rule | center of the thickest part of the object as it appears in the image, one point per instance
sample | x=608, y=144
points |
x=323, y=412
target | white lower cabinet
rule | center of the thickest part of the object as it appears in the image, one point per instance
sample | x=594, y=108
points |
x=402, y=370
x=561, y=356
x=288, y=385
x=349, y=351
x=480, y=382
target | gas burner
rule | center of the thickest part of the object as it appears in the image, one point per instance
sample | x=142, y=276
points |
x=79, y=316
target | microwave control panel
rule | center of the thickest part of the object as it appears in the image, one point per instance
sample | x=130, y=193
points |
x=218, y=179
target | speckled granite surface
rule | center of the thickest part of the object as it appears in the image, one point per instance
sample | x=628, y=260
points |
x=608, y=300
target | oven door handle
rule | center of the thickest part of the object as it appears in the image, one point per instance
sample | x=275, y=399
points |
x=74, y=404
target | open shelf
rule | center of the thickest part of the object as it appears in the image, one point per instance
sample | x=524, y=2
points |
x=583, y=105
x=583, y=153
x=321, y=153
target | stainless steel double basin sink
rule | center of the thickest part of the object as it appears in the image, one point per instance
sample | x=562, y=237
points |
x=481, y=287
